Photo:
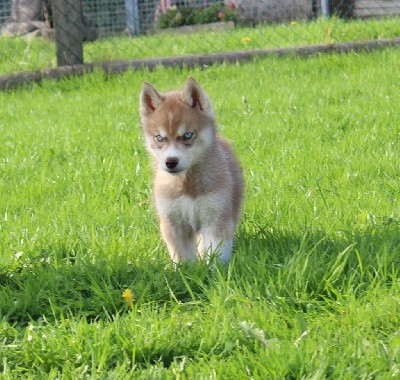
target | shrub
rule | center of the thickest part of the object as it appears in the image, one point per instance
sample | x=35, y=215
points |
x=175, y=17
x=179, y=16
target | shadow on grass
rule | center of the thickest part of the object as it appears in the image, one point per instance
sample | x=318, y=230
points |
x=272, y=264
x=38, y=288
x=314, y=266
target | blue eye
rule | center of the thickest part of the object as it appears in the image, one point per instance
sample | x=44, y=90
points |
x=159, y=138
x=187, y=136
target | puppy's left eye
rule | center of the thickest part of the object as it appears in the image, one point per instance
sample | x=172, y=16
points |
x=187, y=136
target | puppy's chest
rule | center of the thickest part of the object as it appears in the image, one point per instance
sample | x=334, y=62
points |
x=186, y=210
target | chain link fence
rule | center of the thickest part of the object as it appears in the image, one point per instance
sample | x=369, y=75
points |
x=39, y=34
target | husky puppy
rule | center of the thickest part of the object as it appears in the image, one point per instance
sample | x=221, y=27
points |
x=198, y=183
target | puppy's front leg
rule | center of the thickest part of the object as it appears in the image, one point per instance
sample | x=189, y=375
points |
x=180, y=241
x=219, y=240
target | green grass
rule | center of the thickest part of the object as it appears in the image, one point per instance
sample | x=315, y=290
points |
x=313, y=289
x=24, y=55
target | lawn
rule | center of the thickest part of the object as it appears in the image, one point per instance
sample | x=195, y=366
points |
x=313, y=289
x=19, y=54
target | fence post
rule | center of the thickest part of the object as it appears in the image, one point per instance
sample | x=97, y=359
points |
x=132, y=17
x=68, y=24
x=325, y=8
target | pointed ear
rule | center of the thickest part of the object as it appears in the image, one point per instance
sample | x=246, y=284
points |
x=194, y=96
x=150, y=99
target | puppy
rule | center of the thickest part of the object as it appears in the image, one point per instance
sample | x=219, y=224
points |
x=198, y=183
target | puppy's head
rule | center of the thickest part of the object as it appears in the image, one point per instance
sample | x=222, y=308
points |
x=179, y=126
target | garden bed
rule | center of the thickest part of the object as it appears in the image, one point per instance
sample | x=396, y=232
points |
x=214, y=26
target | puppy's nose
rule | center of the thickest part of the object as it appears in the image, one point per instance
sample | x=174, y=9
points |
x=171, y=162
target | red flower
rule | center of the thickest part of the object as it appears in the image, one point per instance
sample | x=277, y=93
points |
x=231, y=4
x=220, y=15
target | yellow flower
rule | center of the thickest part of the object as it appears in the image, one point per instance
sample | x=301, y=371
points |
x=245, y=40
x=293, y=23
x=127, y=295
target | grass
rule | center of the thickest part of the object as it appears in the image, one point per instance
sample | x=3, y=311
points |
x=313, y=289
x=19, y=54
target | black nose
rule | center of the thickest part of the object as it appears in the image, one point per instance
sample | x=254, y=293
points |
x=171, y=162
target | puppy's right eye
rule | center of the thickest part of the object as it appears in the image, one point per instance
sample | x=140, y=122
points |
x=160, y=139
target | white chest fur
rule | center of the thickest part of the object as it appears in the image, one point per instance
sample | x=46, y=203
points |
x=196, y=212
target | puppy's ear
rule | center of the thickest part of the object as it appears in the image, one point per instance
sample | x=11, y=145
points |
x=150, y=99
x=194, y=96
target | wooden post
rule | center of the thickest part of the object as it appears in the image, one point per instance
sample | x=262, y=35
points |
x=68, y=24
